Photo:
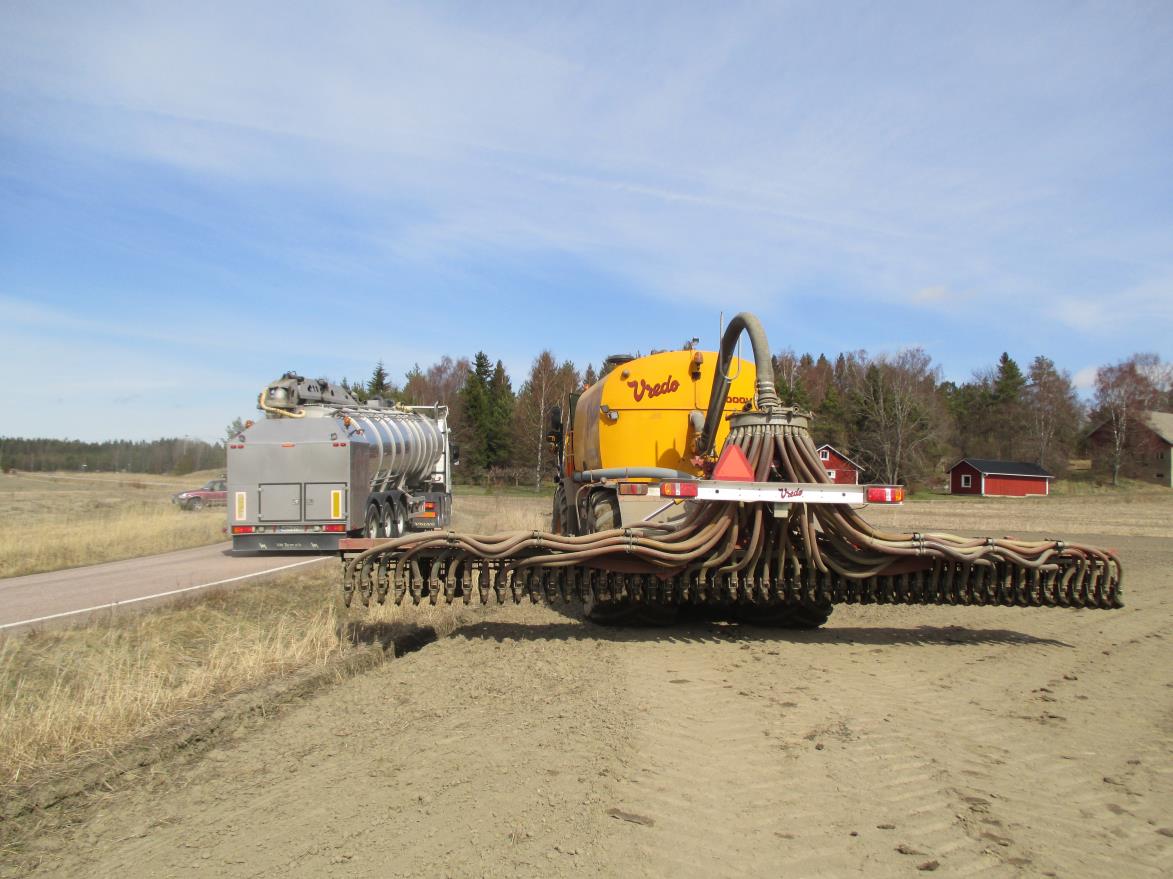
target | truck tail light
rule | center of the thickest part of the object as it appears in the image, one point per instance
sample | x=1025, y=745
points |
x=885, y=494
x=242, y=529
x=633, y=488
x=334, y=528
x=678, y=489
x=429, y=505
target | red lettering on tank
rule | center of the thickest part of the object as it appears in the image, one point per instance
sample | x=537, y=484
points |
x=640, y=389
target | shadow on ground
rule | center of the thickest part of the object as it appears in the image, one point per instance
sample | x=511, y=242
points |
x=720, y=632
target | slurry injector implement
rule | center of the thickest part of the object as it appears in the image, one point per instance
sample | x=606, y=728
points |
x=648, y=519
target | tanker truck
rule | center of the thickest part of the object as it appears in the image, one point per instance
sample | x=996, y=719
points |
x=320, y=466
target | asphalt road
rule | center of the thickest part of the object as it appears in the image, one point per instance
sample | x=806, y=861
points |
x=71, y=594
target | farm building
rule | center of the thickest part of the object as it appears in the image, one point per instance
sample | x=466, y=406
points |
x=1149, y=448
x=840, y=469
x=998, y=478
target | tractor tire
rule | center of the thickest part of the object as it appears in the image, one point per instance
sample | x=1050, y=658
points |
x=624, y=613
x=787, y=616
x=602, y=511
x=560, y=515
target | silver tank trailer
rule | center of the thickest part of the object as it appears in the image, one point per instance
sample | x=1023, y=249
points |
x=407, y=444
x=379, y=471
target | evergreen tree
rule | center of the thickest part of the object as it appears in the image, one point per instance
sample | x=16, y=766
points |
x=378, y=385
x=590, y=377
x=477, y=420
x=500, y=418
x=1007, y=407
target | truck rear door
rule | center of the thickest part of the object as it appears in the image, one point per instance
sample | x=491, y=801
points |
x=325, y=501
x=279, y=502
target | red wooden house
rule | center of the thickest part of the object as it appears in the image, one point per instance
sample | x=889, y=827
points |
x=840, y=469
x=998, y=478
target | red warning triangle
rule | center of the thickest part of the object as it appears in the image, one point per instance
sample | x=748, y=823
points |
x=733, y=465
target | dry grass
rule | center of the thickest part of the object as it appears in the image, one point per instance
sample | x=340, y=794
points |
x=72, y=693
x=50, y=521
x=81, y=692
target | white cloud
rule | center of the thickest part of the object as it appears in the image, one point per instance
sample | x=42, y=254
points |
x=1085, y=379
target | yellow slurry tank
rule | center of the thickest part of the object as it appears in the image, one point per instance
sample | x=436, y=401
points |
x=647, y=412
x=684, y=483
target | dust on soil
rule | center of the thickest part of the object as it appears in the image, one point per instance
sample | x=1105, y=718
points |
x=990, y=741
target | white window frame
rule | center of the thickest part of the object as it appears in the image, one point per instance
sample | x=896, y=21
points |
x=967, y=480
x=824, y=454
x=831, y=474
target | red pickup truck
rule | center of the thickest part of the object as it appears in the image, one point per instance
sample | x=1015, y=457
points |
x=211, y=494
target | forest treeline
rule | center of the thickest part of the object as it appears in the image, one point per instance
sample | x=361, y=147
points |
x=893, y=414
x=172, y=455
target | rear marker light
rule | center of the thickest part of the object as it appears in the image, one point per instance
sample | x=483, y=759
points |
x=334, y=528
x=678, y=489
x=633, y=488
x=242, y=529
x=287, y=445
x=885, y=494
x=429, y=505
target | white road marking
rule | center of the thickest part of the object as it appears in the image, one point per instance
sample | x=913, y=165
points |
x=69, y=613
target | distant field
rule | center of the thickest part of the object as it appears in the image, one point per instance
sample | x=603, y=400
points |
x=50, y=521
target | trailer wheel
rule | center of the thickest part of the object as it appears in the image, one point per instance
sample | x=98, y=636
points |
x=394, y=522
x=372, y=528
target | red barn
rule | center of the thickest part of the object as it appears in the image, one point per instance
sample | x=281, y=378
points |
x=998, y=478
x=840, y=469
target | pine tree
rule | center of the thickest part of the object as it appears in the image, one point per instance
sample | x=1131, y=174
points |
x=378, y=385
x=500, y=417
x=476, y=406
x=1007, y=407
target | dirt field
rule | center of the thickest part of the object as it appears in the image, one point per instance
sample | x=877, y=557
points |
x=969, y=741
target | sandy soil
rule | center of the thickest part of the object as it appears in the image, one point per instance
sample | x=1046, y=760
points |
x=970, y=741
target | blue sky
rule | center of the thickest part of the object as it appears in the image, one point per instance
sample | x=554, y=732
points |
x=195, y=198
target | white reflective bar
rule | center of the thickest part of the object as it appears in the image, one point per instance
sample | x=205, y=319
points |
x=776, y=492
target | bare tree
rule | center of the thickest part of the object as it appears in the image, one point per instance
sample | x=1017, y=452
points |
x=547, y=386
x=1054, y=413
x=897, y=415
x=1123, y=392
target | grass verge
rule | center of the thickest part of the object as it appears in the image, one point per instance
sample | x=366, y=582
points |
x=108, y=536
x=76, y=695
x=50, y=521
